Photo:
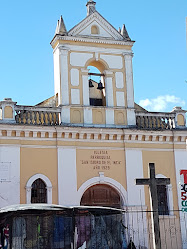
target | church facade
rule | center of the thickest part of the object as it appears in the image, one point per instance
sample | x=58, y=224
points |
x=88, y=143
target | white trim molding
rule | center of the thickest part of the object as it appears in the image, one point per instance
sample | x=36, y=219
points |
x=48, y=187
x=83, y=39
x=103, y=180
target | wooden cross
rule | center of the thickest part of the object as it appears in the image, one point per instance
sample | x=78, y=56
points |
x=153, y=182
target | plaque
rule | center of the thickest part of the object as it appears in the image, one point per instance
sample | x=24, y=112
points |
x=5, y=171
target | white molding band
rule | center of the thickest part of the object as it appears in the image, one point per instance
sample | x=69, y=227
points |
x=48, y=187
x=92, y=49
x=103, y=180
x=82, y=39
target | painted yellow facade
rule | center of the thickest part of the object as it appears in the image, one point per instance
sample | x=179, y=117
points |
x=92, y=161
x=39, y=155
x=164, y=161
x=38, y=160
x=72, y=143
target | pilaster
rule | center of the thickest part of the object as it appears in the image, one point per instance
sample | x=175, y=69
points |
x=64, y=76
x=85, y=87
x=129, y=79
x=109, y=88
x=88, y=116
x=7, y=111
x=131, y=119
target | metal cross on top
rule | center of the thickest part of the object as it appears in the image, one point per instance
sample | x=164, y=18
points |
x=153, y=182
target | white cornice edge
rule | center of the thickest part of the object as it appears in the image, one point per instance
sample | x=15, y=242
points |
x=81, y=39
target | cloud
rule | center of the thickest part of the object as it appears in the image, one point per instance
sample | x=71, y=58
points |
x=161, y=103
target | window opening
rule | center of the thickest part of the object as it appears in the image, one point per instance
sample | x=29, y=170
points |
x=96, y=87
x=39, y=192
x=95, y=30
x=162, y=200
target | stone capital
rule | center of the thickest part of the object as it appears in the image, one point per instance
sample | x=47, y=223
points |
x=64, y=50
x=108, y=73
x=84, y=71
x=7, y=101
x=178, y=109
x=128, y=55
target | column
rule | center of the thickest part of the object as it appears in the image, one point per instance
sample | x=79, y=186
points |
x=85, y=87
x=86, y=98
x=131, y=119
x=129, y=79
x=109, y=88
x=64, y=76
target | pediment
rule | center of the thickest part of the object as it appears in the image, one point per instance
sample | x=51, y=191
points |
x=89, y=26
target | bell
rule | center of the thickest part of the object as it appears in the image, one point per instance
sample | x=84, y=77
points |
x=90, y=83
x=100, y=86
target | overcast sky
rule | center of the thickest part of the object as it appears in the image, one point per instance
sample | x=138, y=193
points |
x=160, y=54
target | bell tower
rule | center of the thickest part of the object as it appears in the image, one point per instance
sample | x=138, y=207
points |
x=94, y=43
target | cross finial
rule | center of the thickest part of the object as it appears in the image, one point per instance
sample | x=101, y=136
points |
x=90, y=7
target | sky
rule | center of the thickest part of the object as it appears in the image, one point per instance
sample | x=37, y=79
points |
x=160, y=49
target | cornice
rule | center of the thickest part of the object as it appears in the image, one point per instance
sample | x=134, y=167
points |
x=104, y=135
x=90, y=40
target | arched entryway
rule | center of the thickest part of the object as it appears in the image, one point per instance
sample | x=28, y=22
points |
x=101, y=195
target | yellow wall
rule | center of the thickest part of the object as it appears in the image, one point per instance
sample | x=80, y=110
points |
x=76, y=115
x=38, y=161
x=98, y=116
x=35, y=159
x=164, y=164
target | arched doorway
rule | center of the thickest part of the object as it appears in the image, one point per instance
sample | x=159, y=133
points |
x=101, y=195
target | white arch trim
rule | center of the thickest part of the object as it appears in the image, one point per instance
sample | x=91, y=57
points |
x=169, y=194
x=103, y=180
x=29, y=187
